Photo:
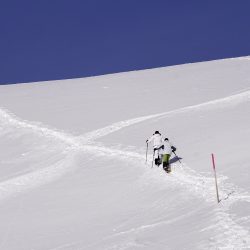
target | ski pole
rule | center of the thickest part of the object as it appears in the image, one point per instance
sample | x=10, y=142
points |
x=177, y=157
x=147, y=153
x=153, y=159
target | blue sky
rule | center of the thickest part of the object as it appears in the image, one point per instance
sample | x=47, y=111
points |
x=58, y=39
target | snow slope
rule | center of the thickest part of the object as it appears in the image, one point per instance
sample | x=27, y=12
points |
x=72, y=160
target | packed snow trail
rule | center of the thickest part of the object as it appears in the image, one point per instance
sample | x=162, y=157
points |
x=8, y=118
x=218, y=103
x=196, y=183
x=85, y=144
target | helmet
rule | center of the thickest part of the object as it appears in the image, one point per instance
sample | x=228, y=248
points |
x=166, y=139
x=157, y=132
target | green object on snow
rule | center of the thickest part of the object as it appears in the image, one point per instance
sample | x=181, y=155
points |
x=166, y=158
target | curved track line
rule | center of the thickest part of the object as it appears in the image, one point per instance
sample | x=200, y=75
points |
x=218, y=103
x=196, y=183
x=7, y=118
x=22, y=183
x=77, y=143
x=16, y=185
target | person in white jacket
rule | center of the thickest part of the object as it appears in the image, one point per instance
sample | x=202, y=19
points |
x=157, y=145
x=166, y=154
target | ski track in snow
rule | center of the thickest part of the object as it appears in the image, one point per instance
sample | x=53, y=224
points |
x=16, y=185
x=198, y=184
x=7, y=118
x=219, y=103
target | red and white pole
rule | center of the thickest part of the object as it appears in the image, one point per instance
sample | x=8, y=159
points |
x=215, y=177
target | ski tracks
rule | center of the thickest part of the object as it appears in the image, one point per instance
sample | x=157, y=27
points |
x=198, y=184
x=218, y=103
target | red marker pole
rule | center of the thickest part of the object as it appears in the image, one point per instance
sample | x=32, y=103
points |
x=215, y=177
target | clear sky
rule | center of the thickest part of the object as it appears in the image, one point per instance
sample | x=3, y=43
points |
x=57, y=39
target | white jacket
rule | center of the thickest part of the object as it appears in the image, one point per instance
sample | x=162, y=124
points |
x=157, y=140
x=167, y=148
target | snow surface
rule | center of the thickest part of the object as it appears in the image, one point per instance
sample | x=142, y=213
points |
x=72, y=160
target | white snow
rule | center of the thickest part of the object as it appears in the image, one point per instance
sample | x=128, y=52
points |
x=72, y=160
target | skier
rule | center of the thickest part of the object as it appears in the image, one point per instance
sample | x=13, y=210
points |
x=157, y=146
x=166, y=152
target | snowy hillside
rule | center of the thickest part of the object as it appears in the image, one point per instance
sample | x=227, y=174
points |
x=72, y=160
